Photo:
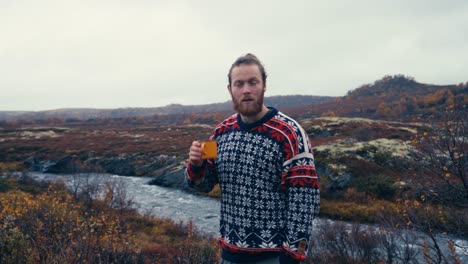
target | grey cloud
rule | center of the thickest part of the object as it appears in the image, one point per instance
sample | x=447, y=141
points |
x=152, y=53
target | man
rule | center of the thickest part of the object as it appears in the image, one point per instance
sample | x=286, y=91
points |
x=266, y=171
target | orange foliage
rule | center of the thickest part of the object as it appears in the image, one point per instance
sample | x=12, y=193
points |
x=53, y=227
x=355, y=211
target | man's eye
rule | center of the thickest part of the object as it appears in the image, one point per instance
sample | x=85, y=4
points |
x=253, y=82
x=238, y=84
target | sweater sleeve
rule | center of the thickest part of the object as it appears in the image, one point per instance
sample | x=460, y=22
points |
x=300, y=181
x=202, y=178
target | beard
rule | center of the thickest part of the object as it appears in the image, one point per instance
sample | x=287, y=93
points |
x=248, y=109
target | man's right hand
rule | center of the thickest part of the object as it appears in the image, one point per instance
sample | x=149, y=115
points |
x=195, y=154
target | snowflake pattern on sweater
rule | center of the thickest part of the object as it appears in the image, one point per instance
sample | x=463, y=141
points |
x=269, y=185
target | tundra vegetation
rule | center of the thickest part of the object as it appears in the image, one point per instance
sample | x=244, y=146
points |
x=45, y=223
x=391, y=156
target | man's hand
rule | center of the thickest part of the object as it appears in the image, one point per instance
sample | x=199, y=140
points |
x=195, y=154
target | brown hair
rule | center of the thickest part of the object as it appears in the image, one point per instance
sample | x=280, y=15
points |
x=248, y=59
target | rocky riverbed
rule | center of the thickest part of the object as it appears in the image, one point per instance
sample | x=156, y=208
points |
x=166, y=171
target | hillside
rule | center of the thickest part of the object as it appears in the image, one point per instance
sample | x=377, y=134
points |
x=172, y=109
x=395, y=97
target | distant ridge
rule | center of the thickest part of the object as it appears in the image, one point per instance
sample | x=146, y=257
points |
x=172, y=109
x=393, y=97
x=396, y=84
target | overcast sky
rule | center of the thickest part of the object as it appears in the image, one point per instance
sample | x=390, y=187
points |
x=148, y=53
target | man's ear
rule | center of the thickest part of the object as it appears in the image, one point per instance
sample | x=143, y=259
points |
x=264, y=88
x=229, y=88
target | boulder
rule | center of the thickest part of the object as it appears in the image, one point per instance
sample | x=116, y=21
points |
x=173, y=178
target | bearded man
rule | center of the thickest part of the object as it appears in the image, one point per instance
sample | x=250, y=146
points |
x=266, y=171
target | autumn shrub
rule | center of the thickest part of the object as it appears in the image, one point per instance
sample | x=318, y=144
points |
x=54, y=227
x=4, y=185
x=379, y=186
x=14, y=245
x=338, y=242
x=432, y=225
x=21, y=181
x=57, y=229
x=360, y=167
x=352, y=195
x=163, y=241
x=442, y=158
x=11, y=166
x=421, y=215
x=383, y=157
x=350, y=211
x=367, y=151
x=344, y=243
x=196, y=251
x=26, y=183
x=363, y=133
x=116, y=195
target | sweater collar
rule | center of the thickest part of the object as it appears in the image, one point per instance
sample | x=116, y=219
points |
x=271, y=113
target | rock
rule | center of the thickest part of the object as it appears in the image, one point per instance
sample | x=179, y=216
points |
x=168, y=171
x=32, y=164
x=115, y=165
x=173, y=178
x=35, y=164
x=68, y=164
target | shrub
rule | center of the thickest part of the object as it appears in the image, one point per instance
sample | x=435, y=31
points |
x=343, y=243
x=360, y=167
x=14, y=245
x=53, y=227
x=379, y=186
x=11, y=166
x=4, y=185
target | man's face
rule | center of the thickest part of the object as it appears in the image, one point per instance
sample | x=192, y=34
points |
x=247, y=89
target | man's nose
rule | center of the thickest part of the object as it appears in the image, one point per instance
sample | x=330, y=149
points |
x=246, y=88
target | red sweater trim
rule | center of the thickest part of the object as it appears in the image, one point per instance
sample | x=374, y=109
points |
x=293, y=254
x=236, y=249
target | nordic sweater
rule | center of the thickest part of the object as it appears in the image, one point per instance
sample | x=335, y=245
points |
x=268, y=183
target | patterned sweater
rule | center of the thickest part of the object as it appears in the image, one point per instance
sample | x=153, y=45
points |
x=268, y=183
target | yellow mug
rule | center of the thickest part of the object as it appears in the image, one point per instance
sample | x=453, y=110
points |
x=209, y=149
